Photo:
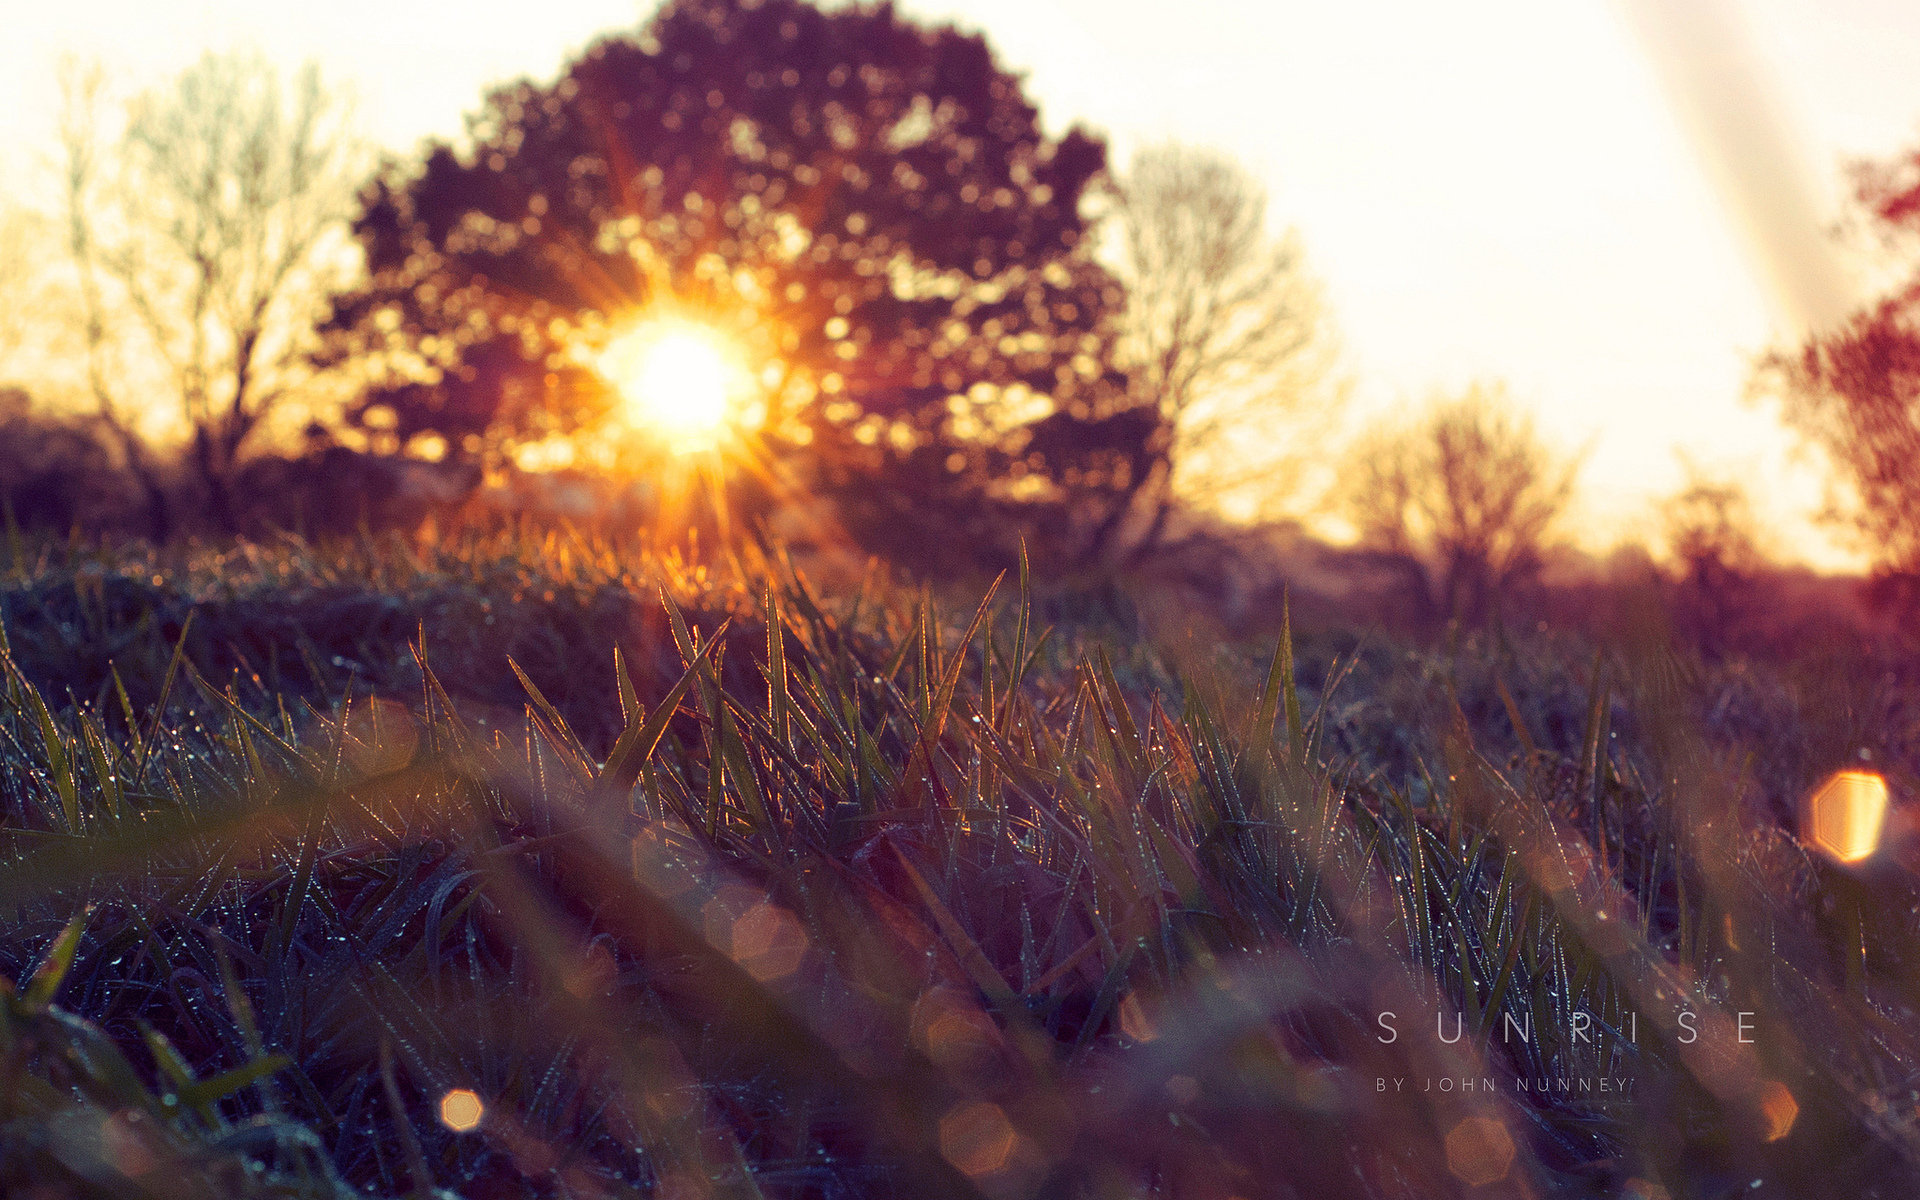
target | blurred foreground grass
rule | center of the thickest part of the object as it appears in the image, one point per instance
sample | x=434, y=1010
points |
x=704, y=884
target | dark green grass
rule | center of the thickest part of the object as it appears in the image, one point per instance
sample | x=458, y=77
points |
x=710, y=885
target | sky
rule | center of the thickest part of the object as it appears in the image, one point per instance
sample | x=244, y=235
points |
x=1610, y=204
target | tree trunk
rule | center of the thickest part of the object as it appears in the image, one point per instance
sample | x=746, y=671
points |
x=159, y=508
x=215, y=477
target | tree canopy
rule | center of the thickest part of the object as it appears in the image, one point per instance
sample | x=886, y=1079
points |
x=869, y=206
x=1854, y=390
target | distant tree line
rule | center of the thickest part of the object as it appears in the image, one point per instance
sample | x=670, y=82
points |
x=971, y=333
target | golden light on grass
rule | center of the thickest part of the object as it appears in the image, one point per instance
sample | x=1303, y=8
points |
x=769, y=942
x=1779, y=1108
x=1479, y=1151
x=128, y=1138
x=952, y=1031
x=461, y=1110
x=977, y=1138
x=592, y=974
x=1136, y=1019
x=678, y=378
x=379, y=737
x=1845, y=817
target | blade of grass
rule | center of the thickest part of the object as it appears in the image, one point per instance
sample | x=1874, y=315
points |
x=52, y=971
x=60, y=765
x=565, y=737
x=1592, y=781
x=637, y=741
x=160, y=703
x=778, y=701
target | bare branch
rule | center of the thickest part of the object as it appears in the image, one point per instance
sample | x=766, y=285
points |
x=1470, y=491
x=221, y=203
x=1225, y=331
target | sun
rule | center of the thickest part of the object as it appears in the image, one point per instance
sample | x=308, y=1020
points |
x=678, y=379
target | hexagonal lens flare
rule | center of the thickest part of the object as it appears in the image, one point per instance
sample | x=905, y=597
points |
x=1846, y=816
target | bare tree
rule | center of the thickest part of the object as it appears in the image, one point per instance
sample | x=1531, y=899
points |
x=1470, y=493
x=214, y=229
x=83, y=92
x=15, y=269
x=1225, y=330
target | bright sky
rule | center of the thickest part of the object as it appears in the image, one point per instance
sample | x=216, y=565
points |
x=1587, y=198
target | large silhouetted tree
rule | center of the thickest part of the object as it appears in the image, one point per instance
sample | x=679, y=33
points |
x=1854, y=391
x=867, y=203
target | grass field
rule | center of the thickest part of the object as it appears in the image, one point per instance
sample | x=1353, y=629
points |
x=702, y=883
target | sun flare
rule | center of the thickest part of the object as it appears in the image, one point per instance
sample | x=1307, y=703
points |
x=1848, y=815
x=678, y=379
